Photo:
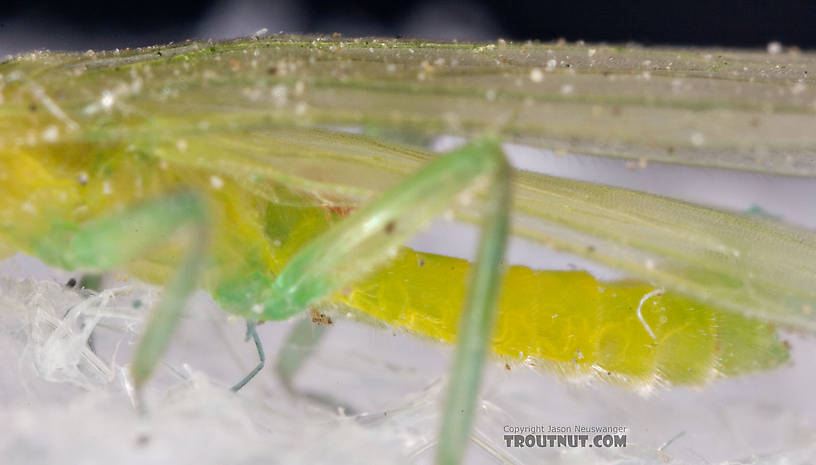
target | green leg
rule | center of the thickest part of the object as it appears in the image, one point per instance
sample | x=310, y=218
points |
x=119, y=238
x=363, y=241
x=476, y=325
x=299, y=346
x=253, y=333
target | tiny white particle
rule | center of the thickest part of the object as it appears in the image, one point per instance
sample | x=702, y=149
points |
x=107, y=100
x=181, y=145
x=28, y=207
x=774, y=48
x=591, y=52
x=216, y=182
x=551, y=64
x=536, y=75
x=697, y=139
x=257, y=309
x=50, y=134
x=567, y=89
x=107, y=188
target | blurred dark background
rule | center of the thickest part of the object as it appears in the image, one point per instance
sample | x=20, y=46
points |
x=84, y=24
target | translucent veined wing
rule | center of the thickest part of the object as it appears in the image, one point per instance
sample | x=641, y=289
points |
x=260, y=110
x=735, y=109
x=749, y=265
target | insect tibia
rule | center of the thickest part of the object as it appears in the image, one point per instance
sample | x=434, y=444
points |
x=365, y=240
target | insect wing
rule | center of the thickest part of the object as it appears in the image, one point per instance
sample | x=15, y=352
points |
x=233, y=109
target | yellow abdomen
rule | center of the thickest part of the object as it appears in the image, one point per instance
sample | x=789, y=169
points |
x=573, y=324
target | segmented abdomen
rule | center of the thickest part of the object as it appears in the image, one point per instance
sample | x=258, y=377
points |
x=569, y=322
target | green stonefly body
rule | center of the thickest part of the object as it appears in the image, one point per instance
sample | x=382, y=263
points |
x=215, y=166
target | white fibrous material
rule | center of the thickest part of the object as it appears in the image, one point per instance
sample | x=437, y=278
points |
x=368, y=395
x=62, y=398
x=61, y=334
x=54, y=324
